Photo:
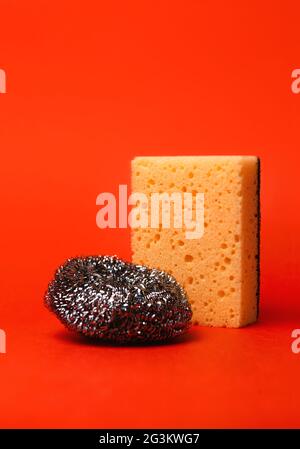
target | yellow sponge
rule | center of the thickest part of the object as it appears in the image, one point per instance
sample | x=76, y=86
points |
x=220, y=269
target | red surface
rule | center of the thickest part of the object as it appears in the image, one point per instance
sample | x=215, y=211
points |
x=89, y=87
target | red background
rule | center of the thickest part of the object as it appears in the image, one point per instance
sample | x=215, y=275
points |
x=89, y=86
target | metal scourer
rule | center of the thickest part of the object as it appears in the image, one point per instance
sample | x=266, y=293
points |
x=106, y=298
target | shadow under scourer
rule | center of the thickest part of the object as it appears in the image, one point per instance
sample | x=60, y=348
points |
x=106, y=298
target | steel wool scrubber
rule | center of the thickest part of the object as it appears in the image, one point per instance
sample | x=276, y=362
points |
x=112, y=300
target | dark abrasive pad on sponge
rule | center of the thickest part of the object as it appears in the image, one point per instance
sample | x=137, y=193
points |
x=106, y=298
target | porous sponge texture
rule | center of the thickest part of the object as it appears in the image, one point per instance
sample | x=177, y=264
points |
x=219, y=271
